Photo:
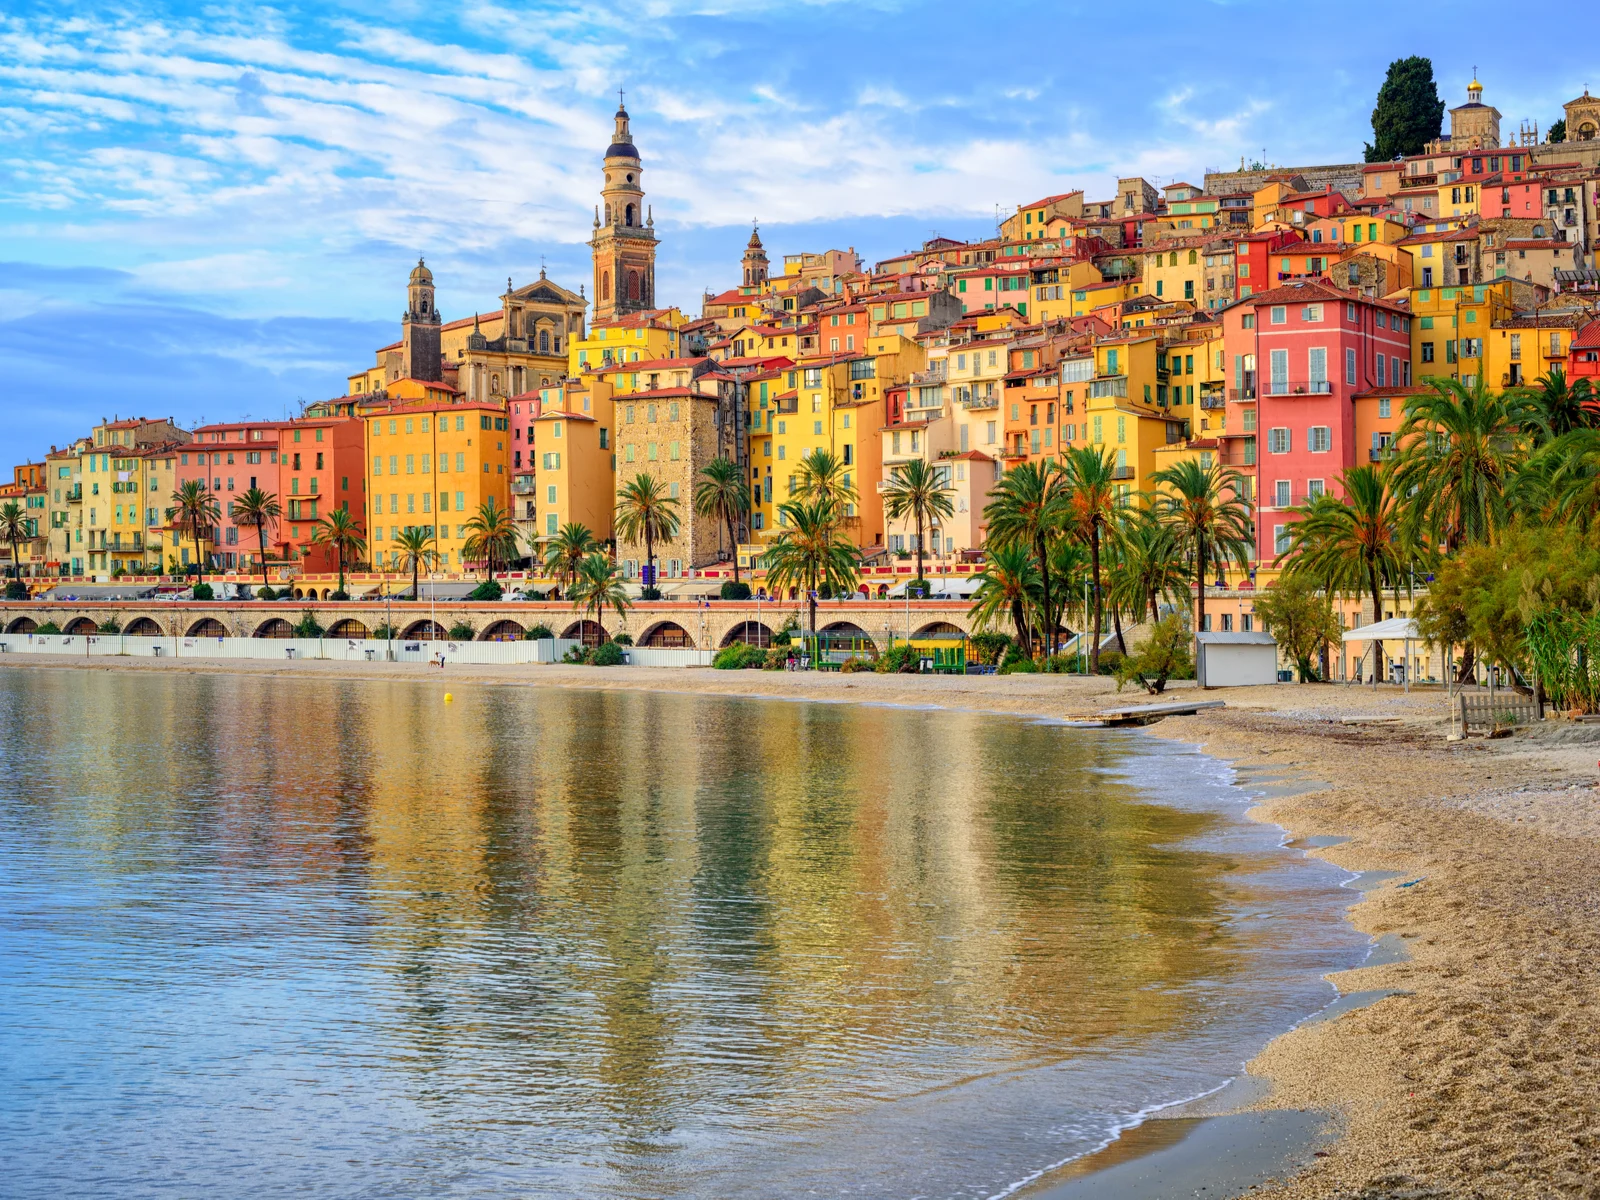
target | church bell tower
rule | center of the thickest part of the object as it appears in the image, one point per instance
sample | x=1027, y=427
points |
x=624, y=241
x=420, y=329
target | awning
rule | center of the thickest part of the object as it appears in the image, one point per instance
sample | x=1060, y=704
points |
x=1394, y=629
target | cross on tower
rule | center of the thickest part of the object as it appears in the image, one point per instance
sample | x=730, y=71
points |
x=619, y=98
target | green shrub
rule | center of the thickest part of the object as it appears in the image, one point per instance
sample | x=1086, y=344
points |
x=777, y=657
x=739, y=657
x=538, y=633
x=735, y=591
x=384, y=632
x=308, y=627
x=1061, y=664
x=338, y=595
x=651, y=592
x=986, y=648
x=16, y=590
x=489, y=589
x=48, y=627
x=902, y=660
x=576, y=655
x=202, y=591
x=109, y=625
x=1164, y=655
x=462, y=631
x=1110, y=660
x=607, y=654
x=623, y=639
x=266, y=593
x=856, y=662
x=1020, y=666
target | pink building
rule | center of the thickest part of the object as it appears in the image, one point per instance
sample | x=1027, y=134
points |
x=1316, y=347
x=228, y=460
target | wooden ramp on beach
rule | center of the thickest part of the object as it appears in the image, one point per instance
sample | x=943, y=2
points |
x=1143, y=714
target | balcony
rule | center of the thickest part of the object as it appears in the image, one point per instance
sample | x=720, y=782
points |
x=1213, y=401
x=1245, y=457
x=1300, y=387
x=1122, y=473
x=932, y=375
x=75, y=492
x=1239, y=395
x=1380, y=454
x=973, y=403
x=523, y=485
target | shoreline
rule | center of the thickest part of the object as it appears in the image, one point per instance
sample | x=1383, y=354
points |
x=1474, y=1063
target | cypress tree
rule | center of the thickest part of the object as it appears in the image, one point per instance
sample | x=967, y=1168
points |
x=1409, y=110
x=1557, y=131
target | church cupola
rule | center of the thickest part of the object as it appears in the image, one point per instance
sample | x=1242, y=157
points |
x=755, y=260
x=420, y=329
x=624, y=240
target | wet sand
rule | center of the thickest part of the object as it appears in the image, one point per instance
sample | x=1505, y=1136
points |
x=1478, y=1076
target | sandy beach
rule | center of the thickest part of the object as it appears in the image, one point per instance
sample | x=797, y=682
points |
x=1481, y=1075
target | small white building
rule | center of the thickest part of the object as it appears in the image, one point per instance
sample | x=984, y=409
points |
x=1237, y=659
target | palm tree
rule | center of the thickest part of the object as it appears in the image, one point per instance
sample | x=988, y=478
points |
x=1353, y=543
x=415, y=548
x=491, y=535
x=646, y=513
x=811, y=553
x=723, y=495
x=195, y=510
x=598, y=582
x=1028, y=507
x=822, y=476
x=260, y=509
x=1009, y=584
x=1460, y=448
x=917, y=490
x=1562, y=406
x=1571, y=468
x=1150, y=568
x=1205, y=509
x=1091, y=511
x=13, y=529
x=566, y=552
x=341, y=533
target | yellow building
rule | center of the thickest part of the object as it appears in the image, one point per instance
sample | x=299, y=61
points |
x=1449, y=327
x=124, y=482
x=1091, y=296
x=432, y=457
x=1054, y=216
x=641, y=337
x=1176, y=270
x=1520, y=349
x=1056, y=284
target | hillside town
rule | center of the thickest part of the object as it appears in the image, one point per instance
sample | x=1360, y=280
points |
x=1273, y=320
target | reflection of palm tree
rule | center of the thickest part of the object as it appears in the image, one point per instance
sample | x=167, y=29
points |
x=723, y=495
x=917, y=490
x=260, y=509
x=646, y=513
x=1009, y=583
x=340, y=532
x=566, y=552
x=414, y=546
x=597, y=585
x=811, y=553
x=491, y=535
x=195, y=510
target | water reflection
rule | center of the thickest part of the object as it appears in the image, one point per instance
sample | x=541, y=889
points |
x=565, y=943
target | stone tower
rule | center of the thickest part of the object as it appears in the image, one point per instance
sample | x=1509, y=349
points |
x=420, y=356
x=1474, y=125
x=755, y=260
x=624, y=242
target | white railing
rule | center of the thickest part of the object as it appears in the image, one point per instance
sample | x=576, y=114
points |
x=547, y=650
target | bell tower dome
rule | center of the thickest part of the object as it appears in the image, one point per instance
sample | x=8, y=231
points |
x=420, y=356
x=755, y=260
x=624, y=241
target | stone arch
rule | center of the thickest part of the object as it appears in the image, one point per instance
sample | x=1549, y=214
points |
x=277, y=627
x=143, y=627
x=605, y=282
x=940, y=629
x=350, y=629
x=849, y=627
x=423, y=631
x=503, y=631
x=667, y=635
x=627, y=221
x=751, y=633
x=22, y=625
x=592, y=633
x=81, y=625
x=207, y=627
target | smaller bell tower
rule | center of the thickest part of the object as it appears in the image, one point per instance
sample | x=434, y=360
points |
x=421, y=328
x=755, y=260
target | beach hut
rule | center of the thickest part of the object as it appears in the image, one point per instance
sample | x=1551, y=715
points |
x=1237, y=659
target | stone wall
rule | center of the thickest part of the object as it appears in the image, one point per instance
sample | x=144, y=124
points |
x=1346, y=177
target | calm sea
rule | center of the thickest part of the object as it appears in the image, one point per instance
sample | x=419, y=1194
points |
x=272, y=937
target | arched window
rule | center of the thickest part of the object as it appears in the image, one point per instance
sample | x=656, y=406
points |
x=1172, y=261
x=608, y=214
x=544, y=341
x=633, y=285
x=628, y=220
x=1193, y=258
x=605, y=285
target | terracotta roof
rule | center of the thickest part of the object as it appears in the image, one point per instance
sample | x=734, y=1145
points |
x=1314, y=290
x=649, y=364
x=497, y=315
x=967, y=456
x=1587, y=338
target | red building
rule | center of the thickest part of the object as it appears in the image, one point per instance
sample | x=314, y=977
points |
x=1256, y=272
x=1583, y=360
x=1316, y=346
x=311, y=464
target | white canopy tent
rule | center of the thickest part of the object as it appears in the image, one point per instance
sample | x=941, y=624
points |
x=1395, y=629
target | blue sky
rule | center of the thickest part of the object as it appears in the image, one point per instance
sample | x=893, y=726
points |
x=208, y=210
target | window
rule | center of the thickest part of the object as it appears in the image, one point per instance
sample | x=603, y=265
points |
x=1319, y=439
x=1278, y=440
x=1427, y=352
x=1311, y=313
x=1281, y=497
x=1350, y=366
x=1280, y=315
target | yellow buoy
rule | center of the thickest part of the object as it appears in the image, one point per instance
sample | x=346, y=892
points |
x=448, y=697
